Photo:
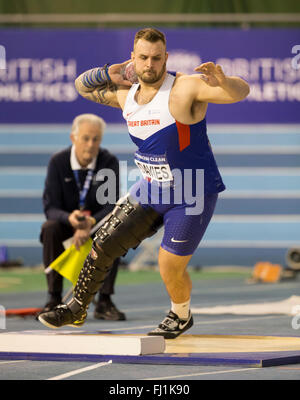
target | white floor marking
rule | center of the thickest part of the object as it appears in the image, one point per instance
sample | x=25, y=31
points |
x=198, y=305
x=239, y=319
x=200, y=373
x=130, y=328
x=11, y=362
x=79, y=371
x=218, y=321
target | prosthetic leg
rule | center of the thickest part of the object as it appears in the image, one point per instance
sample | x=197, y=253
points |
x=125, y=228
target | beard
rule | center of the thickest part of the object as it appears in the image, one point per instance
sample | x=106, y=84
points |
x=153, y=77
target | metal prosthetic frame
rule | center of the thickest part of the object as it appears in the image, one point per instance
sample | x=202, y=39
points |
x=125, y=228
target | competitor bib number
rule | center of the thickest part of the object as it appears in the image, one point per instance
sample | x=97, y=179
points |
x=154, y=167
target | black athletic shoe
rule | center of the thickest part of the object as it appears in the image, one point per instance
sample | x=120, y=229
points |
x=108, y=311
x=60, y=316
x=172, y=326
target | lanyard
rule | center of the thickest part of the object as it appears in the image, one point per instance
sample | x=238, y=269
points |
x=85, y=188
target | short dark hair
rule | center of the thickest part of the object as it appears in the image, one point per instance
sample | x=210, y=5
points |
x=151, y=34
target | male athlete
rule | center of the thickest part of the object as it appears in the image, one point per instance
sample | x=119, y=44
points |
x=165, y=115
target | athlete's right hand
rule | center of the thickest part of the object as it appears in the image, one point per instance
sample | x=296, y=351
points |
x=116, y=72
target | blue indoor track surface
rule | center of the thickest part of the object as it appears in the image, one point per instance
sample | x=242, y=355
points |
x=256, y=218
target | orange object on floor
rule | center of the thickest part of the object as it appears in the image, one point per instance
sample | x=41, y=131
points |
x=265, y=271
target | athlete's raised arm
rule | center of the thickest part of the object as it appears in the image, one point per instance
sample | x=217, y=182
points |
x=213, y=86
x=102, y=83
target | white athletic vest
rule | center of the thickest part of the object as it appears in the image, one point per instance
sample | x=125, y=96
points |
x=144, y=120
x=165, y=145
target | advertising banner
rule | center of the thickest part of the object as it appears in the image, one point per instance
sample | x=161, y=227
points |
x=38, y=68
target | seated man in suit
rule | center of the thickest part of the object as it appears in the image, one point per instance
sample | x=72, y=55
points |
x=72, y=209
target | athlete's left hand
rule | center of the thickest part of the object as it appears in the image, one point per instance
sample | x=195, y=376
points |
x=212, y=74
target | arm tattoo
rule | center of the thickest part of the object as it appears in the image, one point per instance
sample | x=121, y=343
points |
x=99, y=95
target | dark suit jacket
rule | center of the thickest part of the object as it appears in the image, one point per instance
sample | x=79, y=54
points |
x=61, y=193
